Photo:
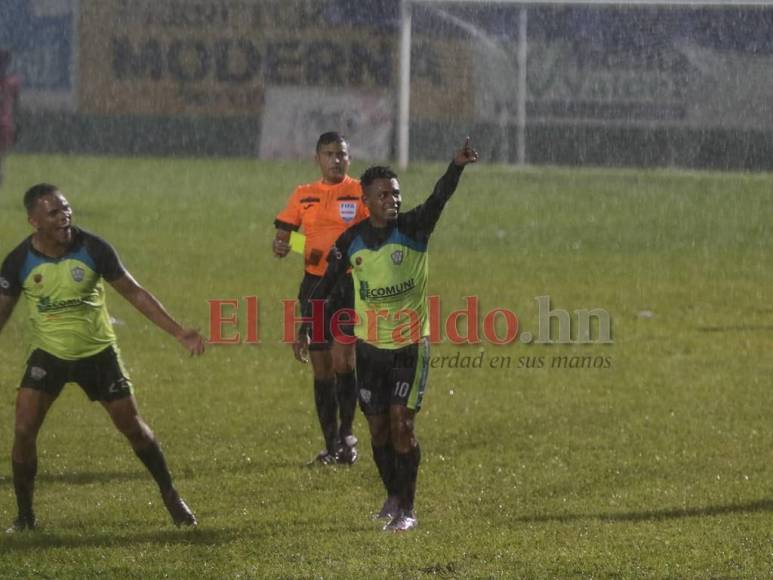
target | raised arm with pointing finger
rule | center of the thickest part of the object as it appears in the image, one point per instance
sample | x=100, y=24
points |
x=387, y=254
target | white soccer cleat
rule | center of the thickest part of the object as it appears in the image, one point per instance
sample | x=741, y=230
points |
x=389, y=510
x=23, y=523
x=402, y=522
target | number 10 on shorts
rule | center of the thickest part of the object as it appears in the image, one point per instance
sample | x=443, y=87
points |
x=401, y=389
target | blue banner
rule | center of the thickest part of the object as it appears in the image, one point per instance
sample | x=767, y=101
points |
x=40, y=36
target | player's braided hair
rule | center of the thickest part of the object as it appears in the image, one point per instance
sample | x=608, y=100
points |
x=35, y=192
x=376, y=172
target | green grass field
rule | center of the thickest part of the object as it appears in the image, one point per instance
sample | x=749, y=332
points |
x=659, y=466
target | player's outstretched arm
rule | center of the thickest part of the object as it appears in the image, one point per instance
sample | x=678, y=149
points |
x=6, y=308
x=467, y=154
x=149, y=305
x=424, y=217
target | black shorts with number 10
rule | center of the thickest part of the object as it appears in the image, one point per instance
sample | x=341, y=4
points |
x=391, y=377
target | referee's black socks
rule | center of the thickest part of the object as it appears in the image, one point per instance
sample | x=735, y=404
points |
x=327, y=411
x=406, y=472
x=346, y=389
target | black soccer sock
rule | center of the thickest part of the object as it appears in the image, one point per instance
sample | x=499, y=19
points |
x=327, y=411
x=24, y=484
x=384, y=458
x=407, y=471
x=153, y=458
x=346, y=385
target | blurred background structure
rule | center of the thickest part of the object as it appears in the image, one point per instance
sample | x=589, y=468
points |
x=626, y=84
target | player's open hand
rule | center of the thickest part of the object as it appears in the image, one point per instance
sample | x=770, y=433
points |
x=301, y=348
x=466, y=154
x=191, y=340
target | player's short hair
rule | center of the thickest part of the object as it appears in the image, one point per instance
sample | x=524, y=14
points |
x=35, y=192
x=376, y=172
x=330, y=137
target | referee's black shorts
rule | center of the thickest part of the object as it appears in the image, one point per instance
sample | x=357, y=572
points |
x=342, y=296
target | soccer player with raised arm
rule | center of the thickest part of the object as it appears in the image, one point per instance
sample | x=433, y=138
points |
x=58, y=271
x=324, y=209
x=387, y=254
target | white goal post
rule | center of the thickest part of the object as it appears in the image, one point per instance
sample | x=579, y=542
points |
x=404, y=90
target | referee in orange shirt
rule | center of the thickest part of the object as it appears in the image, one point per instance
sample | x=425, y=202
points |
x=323, y=210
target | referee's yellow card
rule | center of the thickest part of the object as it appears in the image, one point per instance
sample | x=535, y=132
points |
x=297, y=242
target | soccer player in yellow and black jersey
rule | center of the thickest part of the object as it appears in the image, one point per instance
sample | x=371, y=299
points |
x=324, y=209
x=387, y=254
x=58, y=272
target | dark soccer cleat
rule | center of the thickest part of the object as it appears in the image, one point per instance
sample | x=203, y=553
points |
x=347, y=453
x=324, y=457
x=402, y=522
x=178, y=509
x=22, y=523
x=389, y=510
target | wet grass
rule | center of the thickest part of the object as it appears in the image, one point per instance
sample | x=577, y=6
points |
x=657, y=465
